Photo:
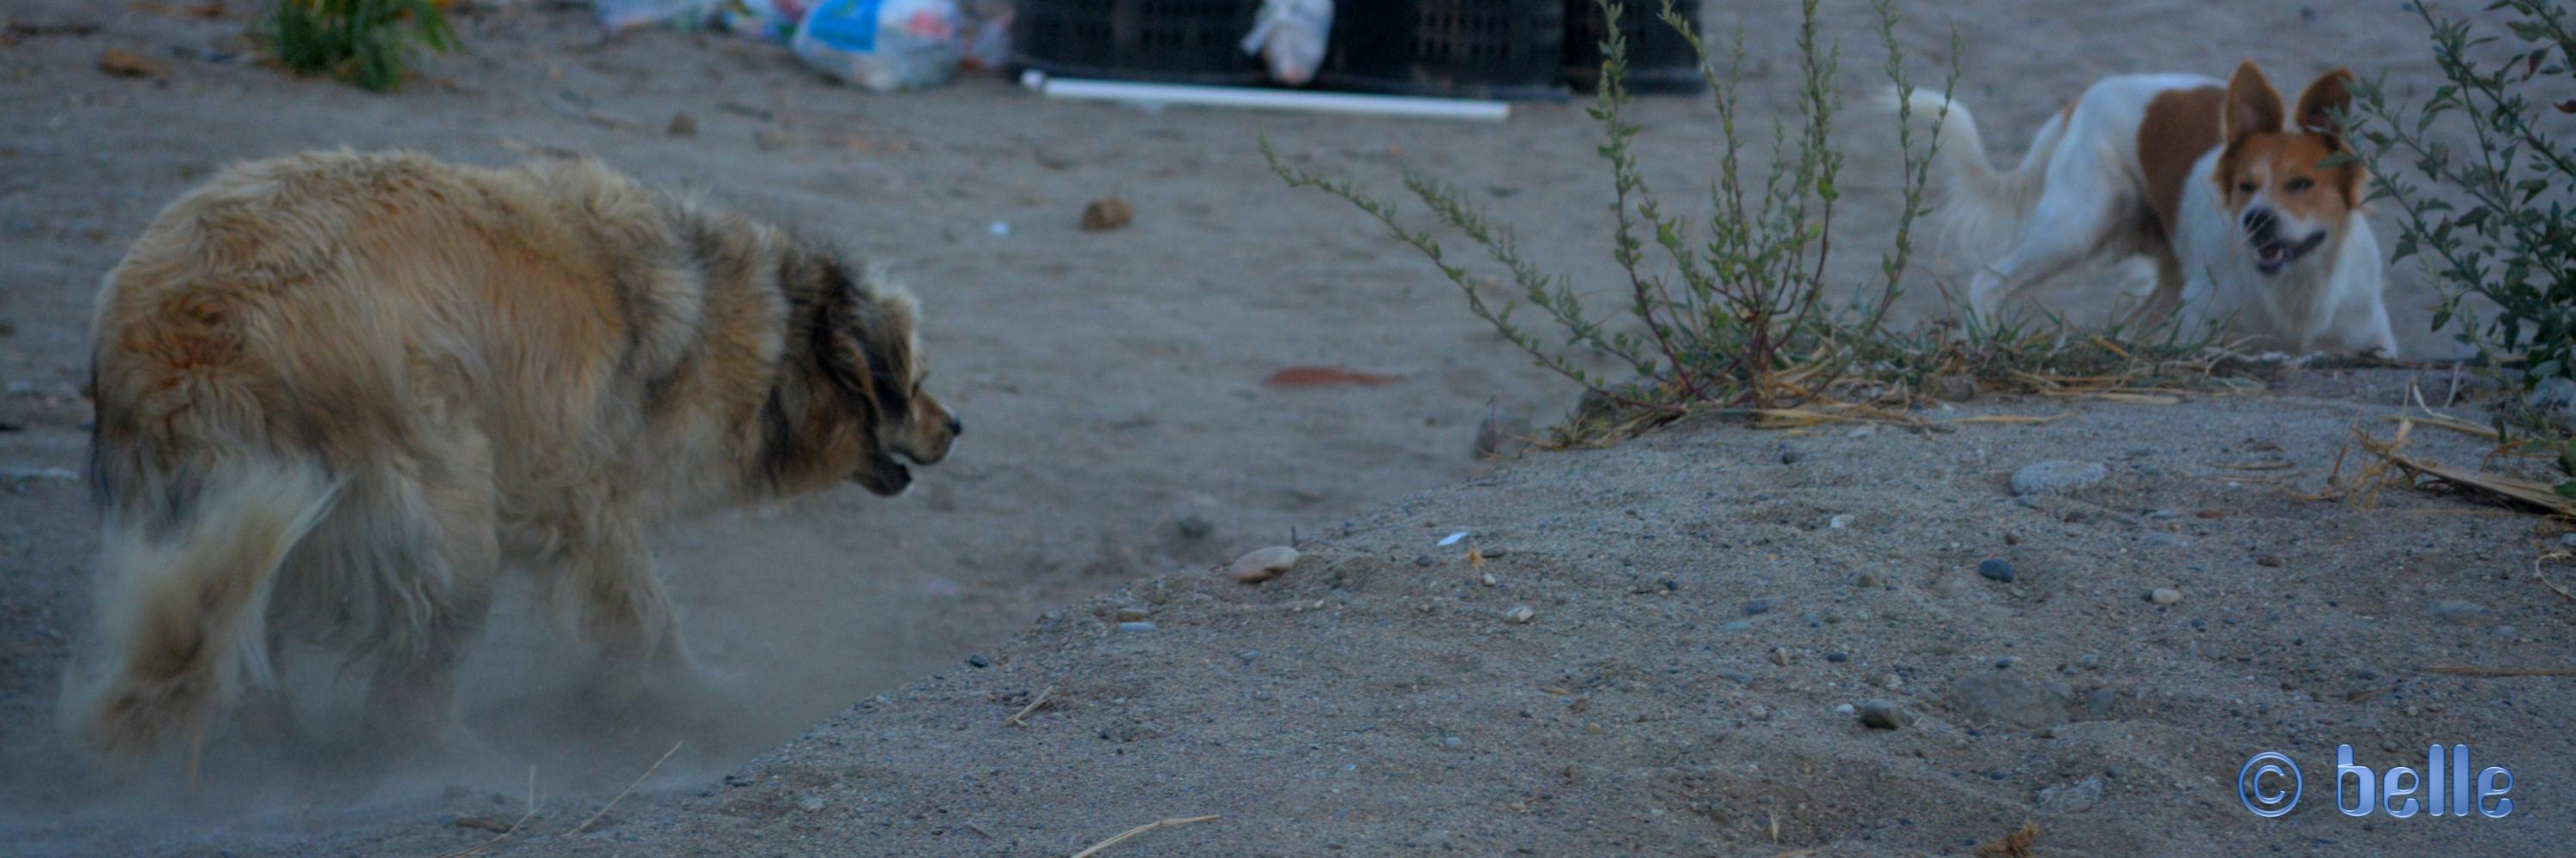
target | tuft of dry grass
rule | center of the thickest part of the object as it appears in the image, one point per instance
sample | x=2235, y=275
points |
x=2020, y=843
x=1132, y=832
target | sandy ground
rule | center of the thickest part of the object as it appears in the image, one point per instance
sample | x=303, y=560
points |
x=1114, y=381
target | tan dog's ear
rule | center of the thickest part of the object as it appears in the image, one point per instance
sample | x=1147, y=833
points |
x=863, y=325
x=2330, y=96
x=2253, y=106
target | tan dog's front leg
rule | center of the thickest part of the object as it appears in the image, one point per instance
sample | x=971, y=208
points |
x=610, y=581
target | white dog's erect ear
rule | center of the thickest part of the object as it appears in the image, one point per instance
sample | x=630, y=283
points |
x=2329, y=96
x=2253, y=106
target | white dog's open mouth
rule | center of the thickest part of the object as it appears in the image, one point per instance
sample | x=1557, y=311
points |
x=2272, y=256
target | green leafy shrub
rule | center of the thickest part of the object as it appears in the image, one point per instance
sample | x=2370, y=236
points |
x=2504, y=233
x=365, y=42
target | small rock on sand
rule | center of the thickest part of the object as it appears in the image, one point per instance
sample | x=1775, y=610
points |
x=1996, y=569
x=125, y=63
x=1136, y=626
x=1262, y=565
x=1520, y=614
x=2164, y=595
x=1878, y=715
x=2013, y=697
x=2076, y=797
x=2460, y=611
x=1107, y=213
x=682, y=125
x=2054, y=477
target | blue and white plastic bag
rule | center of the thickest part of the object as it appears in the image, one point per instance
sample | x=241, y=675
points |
x=883, y=45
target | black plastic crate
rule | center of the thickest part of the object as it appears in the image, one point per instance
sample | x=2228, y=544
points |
x=1165, y=41
x=1659, y=59
x=1506, y=49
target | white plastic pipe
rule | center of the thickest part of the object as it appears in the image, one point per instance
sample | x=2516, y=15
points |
x=1266, y=99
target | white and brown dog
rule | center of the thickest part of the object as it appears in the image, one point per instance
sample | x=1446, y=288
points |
x=2253, y=224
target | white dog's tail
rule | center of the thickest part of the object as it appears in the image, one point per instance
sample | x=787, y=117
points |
x=1979, y=210
x=183, y=603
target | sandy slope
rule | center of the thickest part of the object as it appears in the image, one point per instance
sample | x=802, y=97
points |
x=1114, y=381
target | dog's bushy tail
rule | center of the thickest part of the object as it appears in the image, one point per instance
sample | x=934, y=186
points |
x=182, y=623
x=1978, y=209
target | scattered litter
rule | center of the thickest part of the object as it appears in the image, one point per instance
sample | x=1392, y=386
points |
x=1289, y=37
x=615, y=15
x=767, y=20
x=883, y=45
x=985, y=36
x=1452, y=539
x=1319, y=376
x=1157, y=95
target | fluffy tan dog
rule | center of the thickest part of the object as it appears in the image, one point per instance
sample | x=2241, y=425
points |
x=339, y=393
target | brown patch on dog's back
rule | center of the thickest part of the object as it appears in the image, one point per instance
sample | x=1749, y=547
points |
x=2181, y=125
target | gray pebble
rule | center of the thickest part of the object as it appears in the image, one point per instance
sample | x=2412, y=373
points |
x=1451, y=741
x=1996, y=569
x=2010, y=697
x=1195, y=527
x=2089, y=661
x=1423, y=560
x=2076, y=797
x=1837, y=656
x=2053, y=477
x=1878, y=715
x=2164, y=595
x=1757, y=607
x=978, y=661
x=2098, y=705
x=1137, y=626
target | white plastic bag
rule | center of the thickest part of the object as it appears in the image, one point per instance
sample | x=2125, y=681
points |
x=986, y=37
x=771, y=20
x=617, y=15
x=1290, y=35
x=884, y=45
